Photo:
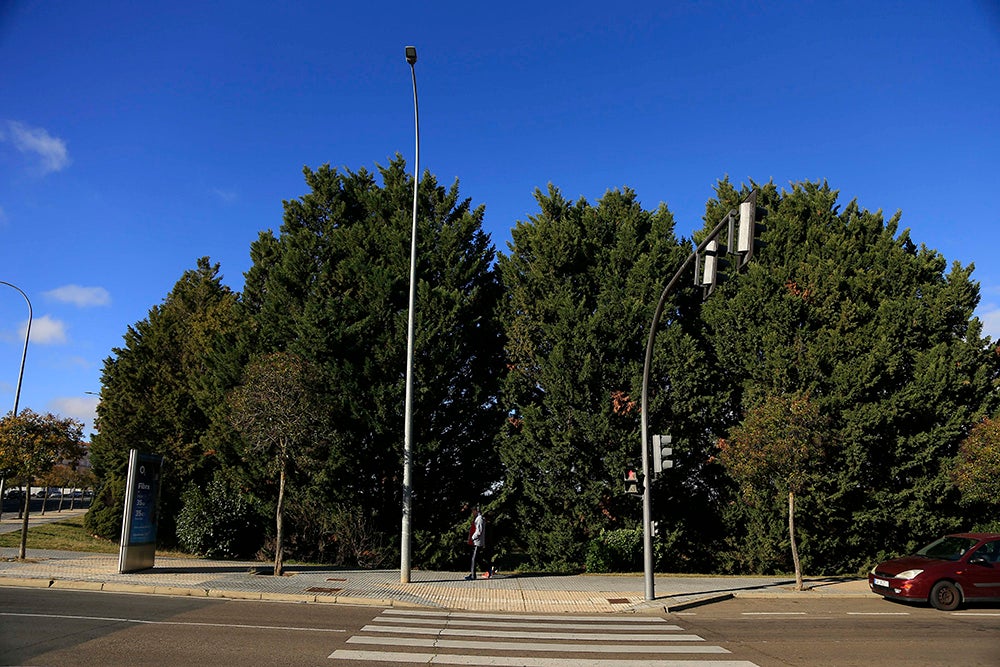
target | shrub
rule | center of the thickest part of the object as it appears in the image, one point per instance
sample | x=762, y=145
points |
x=104, y=519
x=616, y=551
x=219, y=522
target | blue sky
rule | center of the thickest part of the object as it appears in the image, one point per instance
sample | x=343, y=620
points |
x=137, y=137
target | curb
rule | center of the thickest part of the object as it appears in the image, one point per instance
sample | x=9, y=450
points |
x=797, y=595
x=699, y=602
x=176, y=591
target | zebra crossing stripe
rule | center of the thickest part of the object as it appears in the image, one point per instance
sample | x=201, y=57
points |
x=520, y=661
x=527, y=624
x=631, y=620
x=514, y=634
x=415, y=642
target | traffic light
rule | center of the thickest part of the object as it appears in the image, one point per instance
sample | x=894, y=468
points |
x=713, y=266
x=662, y=451
x=633, y=485
x=749, y=232
x=710, y=268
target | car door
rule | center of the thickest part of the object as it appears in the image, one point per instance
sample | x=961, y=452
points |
x=981, y=572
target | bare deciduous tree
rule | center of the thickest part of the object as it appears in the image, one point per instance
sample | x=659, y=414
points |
x=275, y=411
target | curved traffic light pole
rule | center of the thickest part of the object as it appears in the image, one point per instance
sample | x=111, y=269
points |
x=647, y=537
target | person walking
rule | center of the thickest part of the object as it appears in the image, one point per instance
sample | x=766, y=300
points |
x=477, y=538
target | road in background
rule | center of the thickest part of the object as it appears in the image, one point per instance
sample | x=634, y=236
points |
x=9, y=521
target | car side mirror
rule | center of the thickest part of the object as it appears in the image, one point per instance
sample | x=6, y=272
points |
x=980, y=560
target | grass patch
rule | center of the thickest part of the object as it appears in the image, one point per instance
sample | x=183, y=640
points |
x=69, y=535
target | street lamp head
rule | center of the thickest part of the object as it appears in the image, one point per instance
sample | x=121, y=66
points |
x=411, y=55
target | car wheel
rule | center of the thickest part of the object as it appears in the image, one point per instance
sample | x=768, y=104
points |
x=945, y=596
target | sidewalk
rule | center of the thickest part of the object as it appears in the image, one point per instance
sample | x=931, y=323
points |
x=443, y=590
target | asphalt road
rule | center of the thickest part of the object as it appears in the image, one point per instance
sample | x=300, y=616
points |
x=849, y=632
x=53, y=627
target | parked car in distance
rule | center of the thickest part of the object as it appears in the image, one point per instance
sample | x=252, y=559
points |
x=951, y=571
x=13, y=494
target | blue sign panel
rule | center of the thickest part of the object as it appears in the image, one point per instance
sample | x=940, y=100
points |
x=147, y=487
x=142, y=488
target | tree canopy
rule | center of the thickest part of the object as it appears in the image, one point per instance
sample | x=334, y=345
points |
x=528, y=374
x=977, y=467
x=31, y=445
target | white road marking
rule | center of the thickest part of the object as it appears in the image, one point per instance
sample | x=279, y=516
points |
x=529, y=624
x=521, y=646
x=775, y=613
x=517, y=661
x=509, y=640
x=632, y=620
x=974, y=613
x=148, y=622
x=570, y=636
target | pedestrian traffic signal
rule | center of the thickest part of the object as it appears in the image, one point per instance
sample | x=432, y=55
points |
x=662, y=451
x=633, y=485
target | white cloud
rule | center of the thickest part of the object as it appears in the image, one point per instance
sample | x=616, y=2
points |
x=39, y=144
x=82, y=297
x=227, y=196
x=47, y=331
x=989, y=315
x=83, y=408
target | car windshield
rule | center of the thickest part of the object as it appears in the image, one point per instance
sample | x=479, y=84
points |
x=947, y=548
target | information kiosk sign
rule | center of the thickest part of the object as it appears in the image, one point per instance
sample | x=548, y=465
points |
x=142, y=489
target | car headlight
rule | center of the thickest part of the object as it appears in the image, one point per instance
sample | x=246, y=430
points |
x=909, y=574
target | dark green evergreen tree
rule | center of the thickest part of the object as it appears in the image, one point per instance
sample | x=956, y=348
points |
x=581, y=283
x=153, y=400
x=844, y=306
x=332, y=287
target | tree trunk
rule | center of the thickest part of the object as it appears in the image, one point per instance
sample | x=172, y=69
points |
x=279, y=555
x=791, y=535
x=24, y=525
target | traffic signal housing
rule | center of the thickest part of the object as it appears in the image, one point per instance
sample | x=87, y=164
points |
x=749, y=230
x=662, y=451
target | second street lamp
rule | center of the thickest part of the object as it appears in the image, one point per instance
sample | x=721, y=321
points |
x=24, y=354
x=404, y=559
x=17, y=397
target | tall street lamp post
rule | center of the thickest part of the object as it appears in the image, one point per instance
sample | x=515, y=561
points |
x=24, y=353
x=404, y=562
x=20, y=374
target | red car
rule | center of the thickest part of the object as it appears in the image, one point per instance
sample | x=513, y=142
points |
x=948, y=572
